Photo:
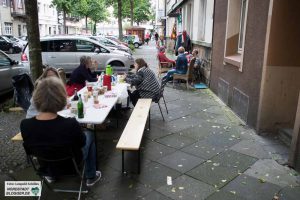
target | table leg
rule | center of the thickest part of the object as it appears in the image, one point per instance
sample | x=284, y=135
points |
x=139, y=161
x=122, y=161
x=95, y=137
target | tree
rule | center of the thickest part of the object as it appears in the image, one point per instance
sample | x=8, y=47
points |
x=66, y=7
x=33, y=33
x=131, y=12
x=118, y=13
x=141, y=10
x=93, y=9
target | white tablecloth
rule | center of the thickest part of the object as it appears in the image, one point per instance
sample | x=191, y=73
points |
x=94, y=115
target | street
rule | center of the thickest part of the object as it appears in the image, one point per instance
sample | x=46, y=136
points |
x=202, y=147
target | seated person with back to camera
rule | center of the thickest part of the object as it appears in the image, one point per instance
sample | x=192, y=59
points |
x=49, y=129
x=144, y=80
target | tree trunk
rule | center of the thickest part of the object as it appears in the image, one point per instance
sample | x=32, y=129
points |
x=95, y=28
x=131, y=12
x=33, y=34
x=120, y=19
x=86, y=24
x=65, y=26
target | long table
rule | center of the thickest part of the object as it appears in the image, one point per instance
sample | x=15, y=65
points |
x=94, y=115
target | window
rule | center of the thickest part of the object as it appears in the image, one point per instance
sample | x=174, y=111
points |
x=19, y=30
x=202, y=20
x=7, y=28
x=20, y=4
x=4, y=3
x=4, y=61
x=50, y=31
x=242, y=26
x=235, y=32
x=86, y=46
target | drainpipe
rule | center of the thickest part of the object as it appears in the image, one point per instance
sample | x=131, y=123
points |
x=165, y=23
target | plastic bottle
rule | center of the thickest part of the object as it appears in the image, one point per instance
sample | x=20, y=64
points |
x=80, y=108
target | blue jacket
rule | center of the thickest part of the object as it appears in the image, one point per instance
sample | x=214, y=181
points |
x=182, y=63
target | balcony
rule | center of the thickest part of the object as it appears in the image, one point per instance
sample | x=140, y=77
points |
x=18, y=14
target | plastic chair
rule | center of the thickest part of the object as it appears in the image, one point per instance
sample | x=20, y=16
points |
x=23, y=88
x=55, y=161
x=187, y=76
x=161, y=95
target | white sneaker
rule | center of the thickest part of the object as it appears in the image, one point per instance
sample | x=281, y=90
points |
x=91, y=182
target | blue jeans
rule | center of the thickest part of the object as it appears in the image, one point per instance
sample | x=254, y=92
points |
x=89, y=154
x=170, y=73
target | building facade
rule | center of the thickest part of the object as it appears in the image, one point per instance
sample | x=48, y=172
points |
x=48, y=18
x=12, y=17
x=196, y=17
x=255, y=62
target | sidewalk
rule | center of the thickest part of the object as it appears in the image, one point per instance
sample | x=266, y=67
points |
x=205, y=149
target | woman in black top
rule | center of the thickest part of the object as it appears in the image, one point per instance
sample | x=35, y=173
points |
x=50, y=129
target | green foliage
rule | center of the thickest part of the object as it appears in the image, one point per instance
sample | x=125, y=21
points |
x=142, y=10
x=64, y=5
x=94, y=9
x=131, y=46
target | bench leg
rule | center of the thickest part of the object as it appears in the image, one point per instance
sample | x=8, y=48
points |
x=149, y=119
x=122, y=161
x=139, y=161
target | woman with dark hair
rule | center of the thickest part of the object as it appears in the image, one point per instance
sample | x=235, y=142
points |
x=144, y=80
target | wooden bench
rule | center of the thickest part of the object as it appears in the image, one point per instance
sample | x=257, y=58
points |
x=131, y=137
x=17, y=137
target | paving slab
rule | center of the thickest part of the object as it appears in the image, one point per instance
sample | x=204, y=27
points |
x=154, y=150
x=224, y=195
x=202, y=150
x=197, y=132
x=269, y=170
x=154, y=196
x=251, y=148
x=180, y=161
x=289, y=193
x=155, y=175
x=121, y=188
x=155, y=132
x=222, y=140
x=213, y=174
x=251, y=188
x=176, y=141
x=187, y=188
x=233, y=159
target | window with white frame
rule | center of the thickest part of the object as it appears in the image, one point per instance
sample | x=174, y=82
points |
x=235, y=32
x=4, y=3
x=20, y=4
x=8, y=28
x=202, y=19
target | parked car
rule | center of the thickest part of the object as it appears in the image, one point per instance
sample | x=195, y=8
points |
x=9, y=46
x=8, y=69
x=21, y=43
x=133, y=39
x=110, y=43
x=116, y=40
x=65, y=52
x=24, y=38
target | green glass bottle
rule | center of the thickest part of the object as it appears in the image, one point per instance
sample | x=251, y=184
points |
x=80, y=108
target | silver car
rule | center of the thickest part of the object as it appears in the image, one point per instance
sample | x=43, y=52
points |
x=8, y=69
x=110, y=43
x=65, y=52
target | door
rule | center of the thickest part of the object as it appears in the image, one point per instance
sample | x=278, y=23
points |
x=95, y=51
x=61, y=54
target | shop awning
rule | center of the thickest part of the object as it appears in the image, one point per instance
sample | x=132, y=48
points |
x=173, y=12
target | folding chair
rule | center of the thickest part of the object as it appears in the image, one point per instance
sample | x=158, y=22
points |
x=161, y=95
x=58, y=162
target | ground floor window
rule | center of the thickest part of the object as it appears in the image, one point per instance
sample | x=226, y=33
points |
x=8, y=28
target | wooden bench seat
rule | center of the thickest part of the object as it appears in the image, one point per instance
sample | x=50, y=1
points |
x=17, y=137
x=131, y=137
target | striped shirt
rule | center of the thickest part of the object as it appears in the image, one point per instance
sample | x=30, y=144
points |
x=145, y=82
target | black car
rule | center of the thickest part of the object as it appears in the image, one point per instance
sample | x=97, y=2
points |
x=9, y=46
